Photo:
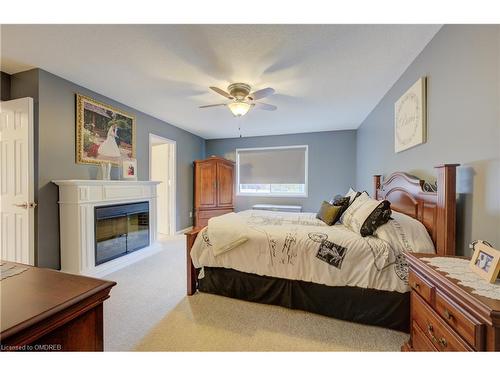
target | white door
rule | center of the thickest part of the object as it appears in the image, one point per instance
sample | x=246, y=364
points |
x=16, y=181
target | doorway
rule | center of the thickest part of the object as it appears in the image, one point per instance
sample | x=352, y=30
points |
x=162, y=167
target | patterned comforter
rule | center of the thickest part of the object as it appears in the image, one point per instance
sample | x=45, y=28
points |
x=298, y=246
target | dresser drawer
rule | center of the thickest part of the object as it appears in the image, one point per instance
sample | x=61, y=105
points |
x=420, y=342
x=463, y=323
x=434, y=328
x=421, y=286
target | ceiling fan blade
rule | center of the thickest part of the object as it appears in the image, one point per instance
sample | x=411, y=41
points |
x=266, y=107
x=211, y=105
x=221, y=92
x=259, y=94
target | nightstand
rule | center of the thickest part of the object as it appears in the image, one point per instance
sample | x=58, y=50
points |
x=446, y=316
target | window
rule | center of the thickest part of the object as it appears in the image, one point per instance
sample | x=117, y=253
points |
x=272, y=171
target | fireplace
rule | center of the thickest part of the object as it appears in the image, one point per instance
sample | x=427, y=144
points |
x=120, y=229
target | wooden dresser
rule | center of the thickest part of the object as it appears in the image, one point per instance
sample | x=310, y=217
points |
x=47, y=310
x=446, y=316
x=213, y=189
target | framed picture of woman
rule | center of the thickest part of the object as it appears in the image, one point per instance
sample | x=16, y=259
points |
x=103, y=133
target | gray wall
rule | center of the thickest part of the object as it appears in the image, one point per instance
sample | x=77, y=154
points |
x=56, y=156
x=24, y=84
x=332, y=163
x=462, y=66
x=4, y=86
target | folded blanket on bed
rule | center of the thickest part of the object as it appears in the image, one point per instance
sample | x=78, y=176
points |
x=226, y=232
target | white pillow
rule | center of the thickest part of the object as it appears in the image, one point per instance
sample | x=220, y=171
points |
x=405, y=232
x=365, y=214
x=352, y=194
x=361, y=198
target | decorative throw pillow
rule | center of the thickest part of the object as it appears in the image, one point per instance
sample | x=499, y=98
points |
x=365, y=215
x=328, y=213
x=341, y=201
x=352, y=194
x=337, y=197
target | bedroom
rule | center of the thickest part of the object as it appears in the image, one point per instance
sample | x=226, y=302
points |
x=293, y=204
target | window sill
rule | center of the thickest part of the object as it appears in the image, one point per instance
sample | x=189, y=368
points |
x=271, y=195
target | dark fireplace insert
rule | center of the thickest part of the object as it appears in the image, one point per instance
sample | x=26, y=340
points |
x=120, y=229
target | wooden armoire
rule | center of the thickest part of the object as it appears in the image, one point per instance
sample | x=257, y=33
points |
x=213, y=189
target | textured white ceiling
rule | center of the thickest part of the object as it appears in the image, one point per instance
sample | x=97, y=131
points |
x=327, y=77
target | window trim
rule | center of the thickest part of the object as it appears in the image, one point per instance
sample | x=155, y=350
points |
x=273, y=195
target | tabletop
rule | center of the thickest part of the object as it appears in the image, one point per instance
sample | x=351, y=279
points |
x=39, y=293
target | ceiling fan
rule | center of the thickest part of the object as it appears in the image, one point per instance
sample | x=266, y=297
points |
x=242, y=100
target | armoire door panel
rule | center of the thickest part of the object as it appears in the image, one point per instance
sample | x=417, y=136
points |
x=207, y=189
x=225, y=185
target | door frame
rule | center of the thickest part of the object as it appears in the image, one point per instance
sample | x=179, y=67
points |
x=32, y=211
x=172, y=176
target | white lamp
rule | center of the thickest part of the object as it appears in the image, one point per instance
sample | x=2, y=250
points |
x=239, y=108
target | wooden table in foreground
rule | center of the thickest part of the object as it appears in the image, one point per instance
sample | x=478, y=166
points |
x=446, y=316
x=47, y=310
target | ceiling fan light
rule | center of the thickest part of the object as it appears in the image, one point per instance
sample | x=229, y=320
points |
x=239, y=108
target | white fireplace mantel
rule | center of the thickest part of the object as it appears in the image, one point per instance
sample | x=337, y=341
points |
x=77, y=200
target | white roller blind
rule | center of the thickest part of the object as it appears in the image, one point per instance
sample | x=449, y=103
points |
x=273, y=165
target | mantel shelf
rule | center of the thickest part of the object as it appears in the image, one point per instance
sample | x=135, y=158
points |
x=103, y=182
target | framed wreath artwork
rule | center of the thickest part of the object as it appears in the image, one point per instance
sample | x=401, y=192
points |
x=103, y=134
x=410, y=117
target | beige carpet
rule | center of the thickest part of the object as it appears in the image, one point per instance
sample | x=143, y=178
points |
x=207, y=322
x=148, y=311
x=145, y=293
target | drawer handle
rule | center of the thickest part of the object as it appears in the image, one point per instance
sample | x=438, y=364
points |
x=430, y=329
x=442, y=341
x=448, y=315
x=416, y=285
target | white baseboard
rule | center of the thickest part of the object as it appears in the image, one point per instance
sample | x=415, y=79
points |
x=185, y=230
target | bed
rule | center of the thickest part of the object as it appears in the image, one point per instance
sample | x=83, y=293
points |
x=285, y=261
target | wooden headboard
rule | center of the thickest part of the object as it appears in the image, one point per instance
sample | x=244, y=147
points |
x=433, y=205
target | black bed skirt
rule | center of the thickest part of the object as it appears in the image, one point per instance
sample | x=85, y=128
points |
x=367, y=306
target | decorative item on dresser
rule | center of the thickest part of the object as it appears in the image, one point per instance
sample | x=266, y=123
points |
x=446, y=315
x=485, y=261
x=47, y=310
x=213, y=189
